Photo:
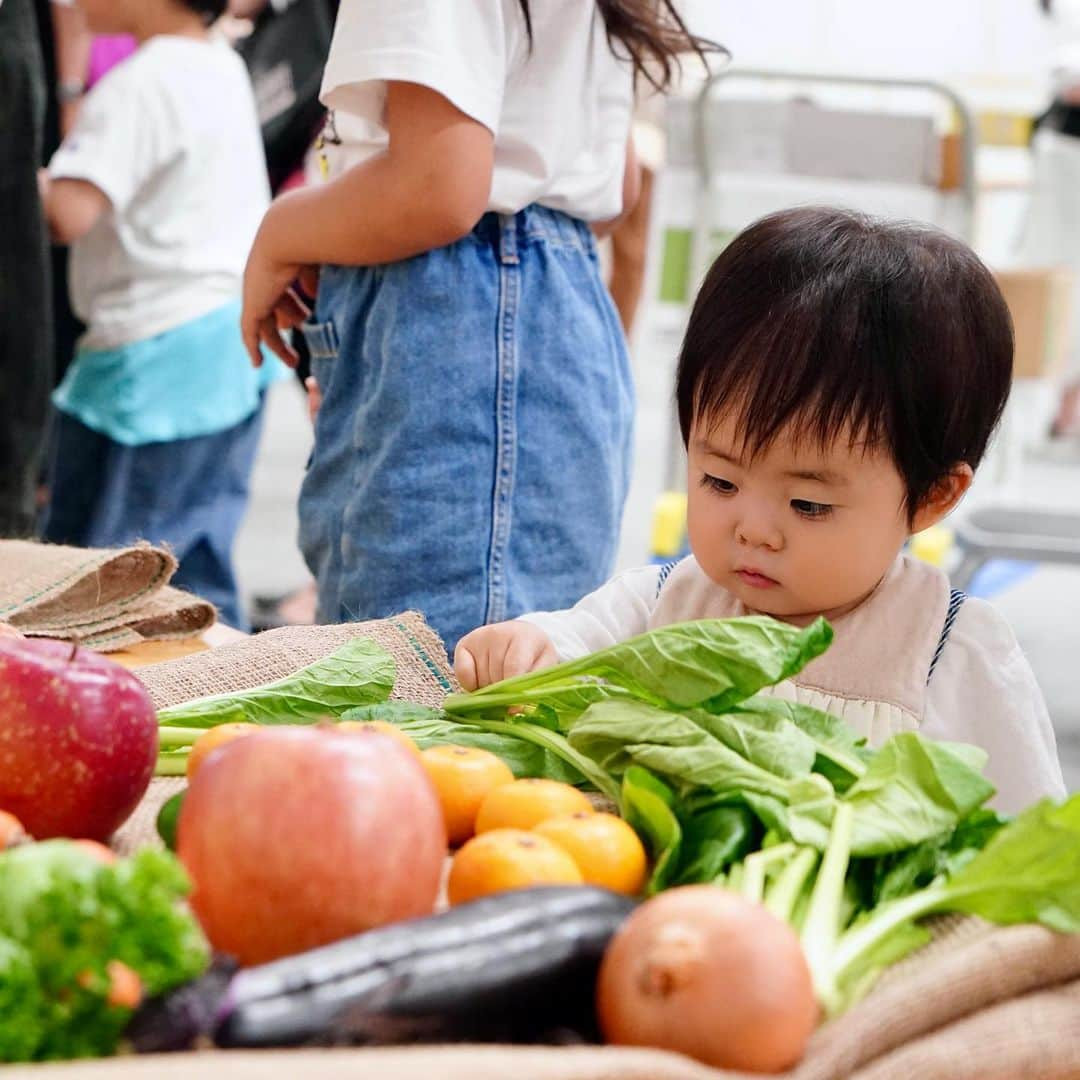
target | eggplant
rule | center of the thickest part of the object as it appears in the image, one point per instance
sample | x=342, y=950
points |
x=513, y=967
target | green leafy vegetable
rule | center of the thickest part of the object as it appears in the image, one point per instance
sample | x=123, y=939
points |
x=912, y=791
x=907, y=871
x=713, y=839
x=360, y=672
x=1026, y=873
x=699, y=847
x=432, y=727
x=63, y=918
x=679, y=746
x=711, y=664
x=851, y=846
x=840, y=756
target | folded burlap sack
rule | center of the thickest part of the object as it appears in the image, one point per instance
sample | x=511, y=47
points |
x=977, y=1003
x=104, y=599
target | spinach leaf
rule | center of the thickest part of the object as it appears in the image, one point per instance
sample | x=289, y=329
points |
x=840, y=755
x=648, y=805
x=392, y=712
x=358, y=673
x=675, y=745
x=913, y=790
x=711, y=664
x=905, y=872
x=713, y=839
x=1026, y=873
x=432, y=727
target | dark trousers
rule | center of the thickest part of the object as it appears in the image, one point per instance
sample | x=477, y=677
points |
x=189, y=494
x=26, y=348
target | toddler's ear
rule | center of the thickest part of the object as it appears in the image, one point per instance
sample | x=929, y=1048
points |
x=942, y=498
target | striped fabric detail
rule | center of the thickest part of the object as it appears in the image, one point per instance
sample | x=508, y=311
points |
x=665, y=573
x=956, y=601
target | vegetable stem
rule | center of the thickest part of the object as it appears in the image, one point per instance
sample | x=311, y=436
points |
x=755, y=867
x=172, y=738
x=558, y=745
x=784, y=893
x=859, y=940
x=821, y=927
x=171, y=765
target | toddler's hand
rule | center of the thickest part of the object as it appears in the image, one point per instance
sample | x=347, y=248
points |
x=491, y=653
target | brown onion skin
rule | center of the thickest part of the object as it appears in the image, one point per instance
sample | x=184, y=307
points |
x=707, y=973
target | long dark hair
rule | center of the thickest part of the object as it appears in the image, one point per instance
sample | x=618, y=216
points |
x=652, y=32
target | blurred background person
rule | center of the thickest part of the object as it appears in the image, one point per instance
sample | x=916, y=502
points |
x=159, y=188
x=25, y=302
x=1051, y=234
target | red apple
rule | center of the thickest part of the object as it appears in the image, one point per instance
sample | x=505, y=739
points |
x=78, y=739
x=297, y=837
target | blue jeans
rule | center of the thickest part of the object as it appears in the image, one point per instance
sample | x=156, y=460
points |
x=473, y=448
x=189, y=493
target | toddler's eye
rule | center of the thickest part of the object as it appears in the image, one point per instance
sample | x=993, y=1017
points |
x=811, y=509
x=724, y=487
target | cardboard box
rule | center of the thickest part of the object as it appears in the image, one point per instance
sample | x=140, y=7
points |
x=1041, y=303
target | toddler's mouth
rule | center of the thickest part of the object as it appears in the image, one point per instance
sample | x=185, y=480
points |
x=755, y=578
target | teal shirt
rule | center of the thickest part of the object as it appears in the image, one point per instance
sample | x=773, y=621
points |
x=193, y=380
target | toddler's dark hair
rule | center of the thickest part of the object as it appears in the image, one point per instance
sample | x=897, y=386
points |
x=838, y=322
x=208, y=9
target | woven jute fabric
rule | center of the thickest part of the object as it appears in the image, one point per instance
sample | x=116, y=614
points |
x=423, y=670
x=423, y=675
x=977, y=1003
x=104, y=599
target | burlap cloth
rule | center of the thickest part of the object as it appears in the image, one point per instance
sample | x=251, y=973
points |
x=979, y=1003
x=104, y=599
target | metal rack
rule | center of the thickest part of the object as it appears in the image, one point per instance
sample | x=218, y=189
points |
x=709, y=152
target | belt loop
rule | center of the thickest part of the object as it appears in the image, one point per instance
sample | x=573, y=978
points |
x=508, y=239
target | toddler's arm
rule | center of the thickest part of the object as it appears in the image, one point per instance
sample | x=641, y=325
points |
x=984, y=692
x=72, y=207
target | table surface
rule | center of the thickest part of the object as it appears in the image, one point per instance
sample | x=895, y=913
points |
x=154, y=652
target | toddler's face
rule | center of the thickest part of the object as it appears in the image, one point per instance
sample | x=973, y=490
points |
x=797, y=531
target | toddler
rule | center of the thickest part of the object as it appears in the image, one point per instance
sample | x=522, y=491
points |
x=839, y=382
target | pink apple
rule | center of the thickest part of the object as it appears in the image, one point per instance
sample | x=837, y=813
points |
x=78, y=739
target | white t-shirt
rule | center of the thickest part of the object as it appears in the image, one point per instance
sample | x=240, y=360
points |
x=982, y=691
x=560, y=114
x=170, y=136
x=1065, y=71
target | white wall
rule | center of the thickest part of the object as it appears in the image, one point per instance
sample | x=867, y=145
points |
x=997, y=50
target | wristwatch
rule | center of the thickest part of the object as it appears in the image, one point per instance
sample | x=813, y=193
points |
x=68, y=90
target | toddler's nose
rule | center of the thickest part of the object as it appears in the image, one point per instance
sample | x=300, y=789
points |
x=757, y=533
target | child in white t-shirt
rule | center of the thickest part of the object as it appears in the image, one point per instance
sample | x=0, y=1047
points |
x=837, y=387
x=466, y=349
x=159, y=189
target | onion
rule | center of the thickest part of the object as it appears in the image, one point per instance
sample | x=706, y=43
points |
x=707, y=973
